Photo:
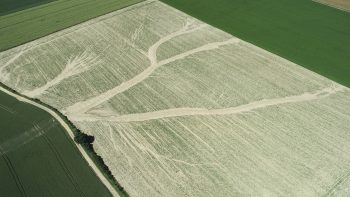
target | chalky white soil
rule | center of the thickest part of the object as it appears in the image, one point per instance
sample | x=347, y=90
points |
x=180, y=108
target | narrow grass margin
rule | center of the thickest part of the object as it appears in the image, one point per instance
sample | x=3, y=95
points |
x=30, y=24
x=86, y=149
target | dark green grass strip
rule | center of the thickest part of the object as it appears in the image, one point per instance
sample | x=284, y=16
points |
x=27, y=25
x=310, y=34
x=10, y=6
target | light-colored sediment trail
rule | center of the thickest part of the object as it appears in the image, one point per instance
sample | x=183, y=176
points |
x=84, y=106
x=73, y=67
x=70, y=133
x=204, y=112
x=9, y=62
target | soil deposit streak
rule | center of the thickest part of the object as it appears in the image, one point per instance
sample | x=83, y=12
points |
x=205, y=112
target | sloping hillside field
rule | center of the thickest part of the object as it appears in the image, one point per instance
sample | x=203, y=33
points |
x=180, y=108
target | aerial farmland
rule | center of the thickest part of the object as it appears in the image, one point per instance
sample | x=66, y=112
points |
x=178, y=107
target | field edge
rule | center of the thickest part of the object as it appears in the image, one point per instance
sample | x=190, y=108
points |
x=88, y=148
x=68, y=26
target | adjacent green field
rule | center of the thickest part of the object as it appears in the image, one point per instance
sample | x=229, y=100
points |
x=37, y=157
x=10, y=6
x=305, y=32
x=23, y=26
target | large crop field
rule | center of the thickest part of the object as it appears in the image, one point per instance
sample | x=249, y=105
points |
x=37, y=157
x=21, y=26
x=180, y=108
x=305, y=32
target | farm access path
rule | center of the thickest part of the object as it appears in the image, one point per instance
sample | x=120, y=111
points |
x=71, y=135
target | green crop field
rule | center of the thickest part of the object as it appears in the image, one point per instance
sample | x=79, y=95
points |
x=37, y=156
x=26, y=25
x=10, y=6
x=305, y=32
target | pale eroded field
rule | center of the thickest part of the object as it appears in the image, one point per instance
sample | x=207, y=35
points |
x=339, y=4
x=179, y=108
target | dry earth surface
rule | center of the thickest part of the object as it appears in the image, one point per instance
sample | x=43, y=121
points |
x=340, y=4
x=180, y=108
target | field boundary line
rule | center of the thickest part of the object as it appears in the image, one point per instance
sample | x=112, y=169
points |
x=331, y=5
x=96, y=170
x=70, y=29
